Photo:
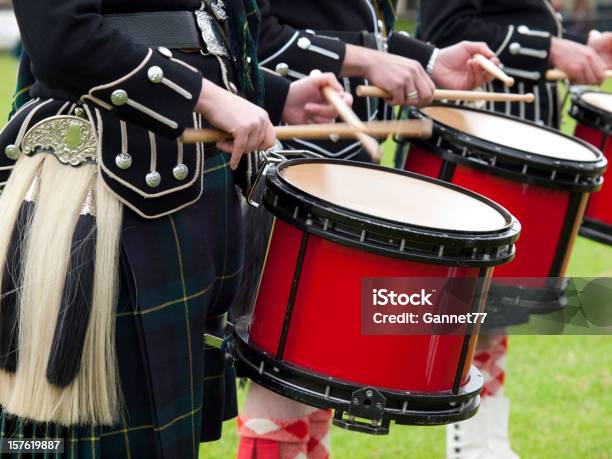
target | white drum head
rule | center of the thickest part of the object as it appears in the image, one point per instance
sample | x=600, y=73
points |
x=394, y=197
x=600, y=100
x=511, y=133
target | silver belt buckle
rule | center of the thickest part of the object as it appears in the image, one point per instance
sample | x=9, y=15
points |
x=210, y=34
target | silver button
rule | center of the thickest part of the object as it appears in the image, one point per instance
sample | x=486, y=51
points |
x=153, y=179
x=282, y=69
x=12, y=152
x=180, y=172
x=119, y=97
x=514, y=48
x=304, y=43
x=123, y=161
x=155, y=74
x=233, y=88
x=164, y=52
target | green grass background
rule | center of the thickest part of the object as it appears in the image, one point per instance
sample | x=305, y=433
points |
x=560, y=386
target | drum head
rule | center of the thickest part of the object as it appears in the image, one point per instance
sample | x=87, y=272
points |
x=600, y=100
x=512, y=133
x=396, y=197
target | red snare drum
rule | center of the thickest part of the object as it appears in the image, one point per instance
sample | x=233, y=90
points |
x=593, y=111
x=543, y=177
x=337, y=222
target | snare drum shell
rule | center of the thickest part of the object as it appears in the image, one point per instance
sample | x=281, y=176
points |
x=550, y=209
x=324, y=335
x=539, y=253
x=594, y=126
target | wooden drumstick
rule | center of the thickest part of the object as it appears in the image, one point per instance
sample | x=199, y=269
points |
x=556, y=74
x=494, y=70
x=444, y=94
x=370, y=144
x=421, y=129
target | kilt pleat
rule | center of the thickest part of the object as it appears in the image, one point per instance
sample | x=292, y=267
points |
x=176, y=271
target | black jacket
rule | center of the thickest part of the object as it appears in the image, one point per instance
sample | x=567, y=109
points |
x=76, y=56
x=299, y=36
x=518, y=31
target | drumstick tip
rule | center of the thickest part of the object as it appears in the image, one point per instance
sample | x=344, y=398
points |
x=529, y=98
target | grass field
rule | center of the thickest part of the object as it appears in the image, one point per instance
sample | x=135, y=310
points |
x=560, y=386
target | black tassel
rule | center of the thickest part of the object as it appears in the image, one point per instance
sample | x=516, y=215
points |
x=75, y=308
x=9, y=291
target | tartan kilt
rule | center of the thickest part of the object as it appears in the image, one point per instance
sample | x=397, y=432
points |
x=176, y=272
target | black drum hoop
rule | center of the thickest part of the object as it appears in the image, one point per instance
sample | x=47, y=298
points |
x=385, y=237
x=596, y=230
x=403, y=407
x=590, y=115
x=460, y=148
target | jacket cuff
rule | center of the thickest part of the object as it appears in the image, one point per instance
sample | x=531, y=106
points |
x=525, y=52
x=583, y=39
x=159, y=95
x=275, y=96
x=402, y=44
x=304, y=52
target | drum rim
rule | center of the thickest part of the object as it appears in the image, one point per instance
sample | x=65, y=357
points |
x=598, y=165
x=493, y=242
x=508, y=217
x=579, y=104
x=467, y=393
x=537, y=157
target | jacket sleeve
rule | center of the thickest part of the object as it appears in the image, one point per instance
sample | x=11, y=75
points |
x=73, y=51
x=275, y=96
x=575, y=36
x=402, y=44
x=294, y=53
x=523, y=51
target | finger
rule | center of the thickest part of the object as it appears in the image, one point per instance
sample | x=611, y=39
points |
x=347, y=98
x=239, y=148
x=322, y=110
x=480, y=76
x=425, y=88
x=410, y=89
x=589, y=74
x=226, y=145
x=326, y=79
x=329, y=79
x=482, y=48
x=269, y=138
x=256, y=136
x=582, y=76
x=599, y=69
x=398, y=95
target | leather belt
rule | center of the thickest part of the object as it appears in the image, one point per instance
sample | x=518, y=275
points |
x=171, y=29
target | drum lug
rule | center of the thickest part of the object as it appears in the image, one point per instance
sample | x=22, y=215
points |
x=273, y=156
x=366, y=404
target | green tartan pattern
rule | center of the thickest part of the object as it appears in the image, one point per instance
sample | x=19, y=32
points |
x=176, y=392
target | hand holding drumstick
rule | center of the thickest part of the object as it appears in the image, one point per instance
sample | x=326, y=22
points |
x=370, y=144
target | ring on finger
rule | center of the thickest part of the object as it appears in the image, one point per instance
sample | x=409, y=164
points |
x=412, y=95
